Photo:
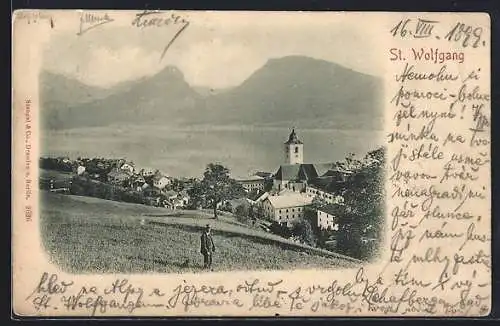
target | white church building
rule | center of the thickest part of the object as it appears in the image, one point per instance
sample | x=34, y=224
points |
x=296, y=184
x=296, y=175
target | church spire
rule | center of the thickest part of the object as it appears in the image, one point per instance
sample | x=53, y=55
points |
x=293, y=139
x=294, y=149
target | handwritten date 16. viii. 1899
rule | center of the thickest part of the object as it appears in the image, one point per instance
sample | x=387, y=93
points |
x=463, y=34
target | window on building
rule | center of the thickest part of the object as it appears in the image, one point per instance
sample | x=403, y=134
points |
x=296, y=150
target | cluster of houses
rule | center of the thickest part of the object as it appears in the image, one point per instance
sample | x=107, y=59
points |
x=294, y=187
x=282, y=196
x=152, y=182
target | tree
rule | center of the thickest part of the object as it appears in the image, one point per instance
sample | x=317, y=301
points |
x=215, y=187
x=196, y=195
x=177, y=185
x=258, y=211
x=303, y=229
x=318, y=202
x=361, y=215
x=255, y=212
x=281, y=230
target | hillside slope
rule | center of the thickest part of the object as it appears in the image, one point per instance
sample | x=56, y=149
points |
x=88, y=235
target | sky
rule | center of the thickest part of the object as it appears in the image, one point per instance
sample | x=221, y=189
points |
x=217, y=50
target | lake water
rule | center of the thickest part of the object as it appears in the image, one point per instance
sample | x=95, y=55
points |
x=186, y=151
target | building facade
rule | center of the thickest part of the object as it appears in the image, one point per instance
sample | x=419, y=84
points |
x=330, y=198
x=252, y=183
x=326, y=219
x=160, y=181
x=286, y=209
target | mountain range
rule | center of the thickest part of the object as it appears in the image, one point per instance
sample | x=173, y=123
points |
x=293, y=90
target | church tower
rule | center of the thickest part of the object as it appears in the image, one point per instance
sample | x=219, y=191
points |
x=294, y=149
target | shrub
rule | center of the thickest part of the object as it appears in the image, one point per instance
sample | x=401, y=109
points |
x=280, y=230
x=304, y=231
x=83, y=186
x=242, y=213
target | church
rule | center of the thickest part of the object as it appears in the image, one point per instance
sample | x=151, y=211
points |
x=298, y=176
x=296, y=184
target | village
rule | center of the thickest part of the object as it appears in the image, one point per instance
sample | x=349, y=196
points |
x=297, y=195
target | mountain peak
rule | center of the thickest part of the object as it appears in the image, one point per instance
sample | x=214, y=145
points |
x=313, y=92
x=299, y=60
x=296, y=57
x=171, y=71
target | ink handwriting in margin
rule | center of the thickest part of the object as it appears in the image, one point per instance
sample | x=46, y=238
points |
x=466, y=35
x=89, y=21
x=144, y=19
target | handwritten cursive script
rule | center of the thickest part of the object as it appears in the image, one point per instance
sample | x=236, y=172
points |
x=150, y=19
x=346, y=296
x=439, y=166
x=89, y=21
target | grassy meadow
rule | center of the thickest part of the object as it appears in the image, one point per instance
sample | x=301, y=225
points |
x=88, y=235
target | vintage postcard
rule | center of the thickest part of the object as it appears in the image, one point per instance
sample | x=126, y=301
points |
x=190, y=163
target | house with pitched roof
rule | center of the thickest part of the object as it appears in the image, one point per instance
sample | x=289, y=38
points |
x=265, y=175
x=128, y=166
x=257, y=197
x=326, y=218
x=286, y=209
x=160, y=181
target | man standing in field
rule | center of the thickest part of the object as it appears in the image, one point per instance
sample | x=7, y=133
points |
x=207, y=247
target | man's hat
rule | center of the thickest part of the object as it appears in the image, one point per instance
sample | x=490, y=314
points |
x=207, y=226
